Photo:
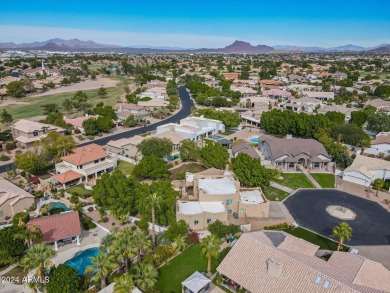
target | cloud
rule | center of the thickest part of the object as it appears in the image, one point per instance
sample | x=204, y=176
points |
x=22, y=34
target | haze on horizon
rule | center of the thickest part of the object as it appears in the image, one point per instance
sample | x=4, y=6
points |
x=196, y=24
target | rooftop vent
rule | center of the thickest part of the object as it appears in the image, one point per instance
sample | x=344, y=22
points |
x=317, y=280
x=274, y=268
x=326, y=284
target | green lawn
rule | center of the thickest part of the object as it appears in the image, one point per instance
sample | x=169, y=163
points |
x=80, y=190
x=17, y=274
x=314, y=238
x=228, y=132
x=125, y=167
x=324, y=179
x=272, y=193
x=294, y=180
x=180, y=268
x=33, y=108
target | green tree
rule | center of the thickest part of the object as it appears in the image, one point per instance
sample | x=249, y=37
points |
x=336, y=117
x=50, y=108
x=79, y=100
x=250, y=172
x=130, y=121
x=141, y=243
x=64, y=279
x=105, y=124
x=105, y=111
x=214, y=155
x=378, y=184
x=124, y=284
x=15, y=89
x=359, y=117
x=11, y=246
x=343, y=232
x=180, y=243
x=349, y=133
x=58, y=145
x=378, y=122
x=100, y=268
x=154, y=202
x=31, y=161
x=31, y=236
x=67, y=105
x=382, y=91
x=210, y=249
x=151, y=167
x=176, y=229
x=189, y=151
x=102, y=93
x=159, y=147
x=145, y=276
x=39, y=257
x=91, y=126
x=230, y=119
x=123, y=247
x=6, y=118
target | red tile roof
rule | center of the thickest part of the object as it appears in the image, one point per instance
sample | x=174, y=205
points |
x=67, y=176
x=86, y=154
x=57, y=227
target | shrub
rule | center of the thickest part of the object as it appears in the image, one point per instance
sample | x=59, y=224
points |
x=74, y=199
x=104, y=219
x=220, y=230
x=23, y=216
x=4, y=158
x=75, y=193
x=38, y=193
x=277, y=227
x=192, y=238
x=87, y=223
x=9, y=146
x=113, y=224
x=90, y=209
x=80, y=137
x=177, y=229
x=180, y=175
x=23, y=174
x=143, y=225
x=90, y=137
x=77, y=131
x=159, y=255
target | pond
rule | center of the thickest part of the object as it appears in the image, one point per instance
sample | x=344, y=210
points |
x=82, y=260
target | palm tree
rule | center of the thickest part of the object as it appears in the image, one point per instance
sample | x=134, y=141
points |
x=145, y=276
x=123, y=246
x=39, y=257
x=343, y=232
x=180, y=243
x=64, y=147
x=141, y=243
x=378, y=184
x=210, y=249
x=107, y=241
x=154, y=202
x=100, y=267
x=30, y=236
x=123, y=284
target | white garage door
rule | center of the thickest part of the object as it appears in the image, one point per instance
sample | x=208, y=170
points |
x=355, y=179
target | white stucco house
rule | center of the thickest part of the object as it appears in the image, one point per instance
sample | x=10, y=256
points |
x=364, y=170
x=381, y=144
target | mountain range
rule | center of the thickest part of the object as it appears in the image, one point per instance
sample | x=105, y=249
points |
x=238, y=47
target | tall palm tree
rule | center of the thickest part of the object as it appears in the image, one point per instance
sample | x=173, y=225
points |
x=123, y=247
x=64, y=146
x=124, y=284
x=100, y=267
x=107, y=241
x=154, y=202
x=210, y=249
x=30, y=236
x=39, y=257
x=343, y=232
x=180, y=243
x=141, y=243
x=145, y=276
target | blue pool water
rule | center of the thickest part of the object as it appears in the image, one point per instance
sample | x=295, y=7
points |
x=216, y=137
x=254, y=140
x=81, y=260
x=58, y=205
x=172, y=158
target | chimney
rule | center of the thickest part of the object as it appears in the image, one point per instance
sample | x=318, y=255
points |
x=289, y=136
x=274, y=268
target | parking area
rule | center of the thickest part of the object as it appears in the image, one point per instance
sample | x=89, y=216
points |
x=370, y=227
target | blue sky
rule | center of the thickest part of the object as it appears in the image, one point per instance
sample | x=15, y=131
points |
x=193, y=24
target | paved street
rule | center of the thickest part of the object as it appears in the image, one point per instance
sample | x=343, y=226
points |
x=185, y=111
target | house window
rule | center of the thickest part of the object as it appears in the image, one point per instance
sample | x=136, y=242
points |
x=196, y=222
x=316, y=165
x=229, y=201
x=208, y=220
x=35, y=133
x=229, y=211
x=291, y=165
x=96, y=161
x=1, y=213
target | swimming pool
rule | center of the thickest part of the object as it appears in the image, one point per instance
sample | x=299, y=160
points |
x=254, y=140
x=82, y=259
x=172, y=158
x=216, y=137
x=57, y=207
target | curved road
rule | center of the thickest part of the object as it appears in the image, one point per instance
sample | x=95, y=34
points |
x=184, y=112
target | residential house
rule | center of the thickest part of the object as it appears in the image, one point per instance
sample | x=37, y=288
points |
x=290, y=153
x=323, y=96
x=154, y=93
x=13, y=199
x=275, y=261
x=153, y=104
x=270, y=84
x=231, y=76
x=245, y=148
x=245, y=83
x=245, y=91
x=380, y=104
x=60, y=227
x=277, y=94
x=194, y=128
x=77, y=123
x=252, y=117
x=123, y=111
x=216, y=195
x=381, y=144
x=27, y=132
x=84, y=163
x=336, y=108
x=364, y=170
x=301, y=105
x=340, y=75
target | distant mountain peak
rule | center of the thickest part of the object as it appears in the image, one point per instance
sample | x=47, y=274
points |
x=245, y=47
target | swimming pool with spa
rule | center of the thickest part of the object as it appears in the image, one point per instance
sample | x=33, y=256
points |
x=82, y=259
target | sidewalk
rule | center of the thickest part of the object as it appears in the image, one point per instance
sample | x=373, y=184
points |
x=312, y=180
x=281, y=187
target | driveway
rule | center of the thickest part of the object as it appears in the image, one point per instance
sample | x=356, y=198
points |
x=370, y=227
x=185, y=111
